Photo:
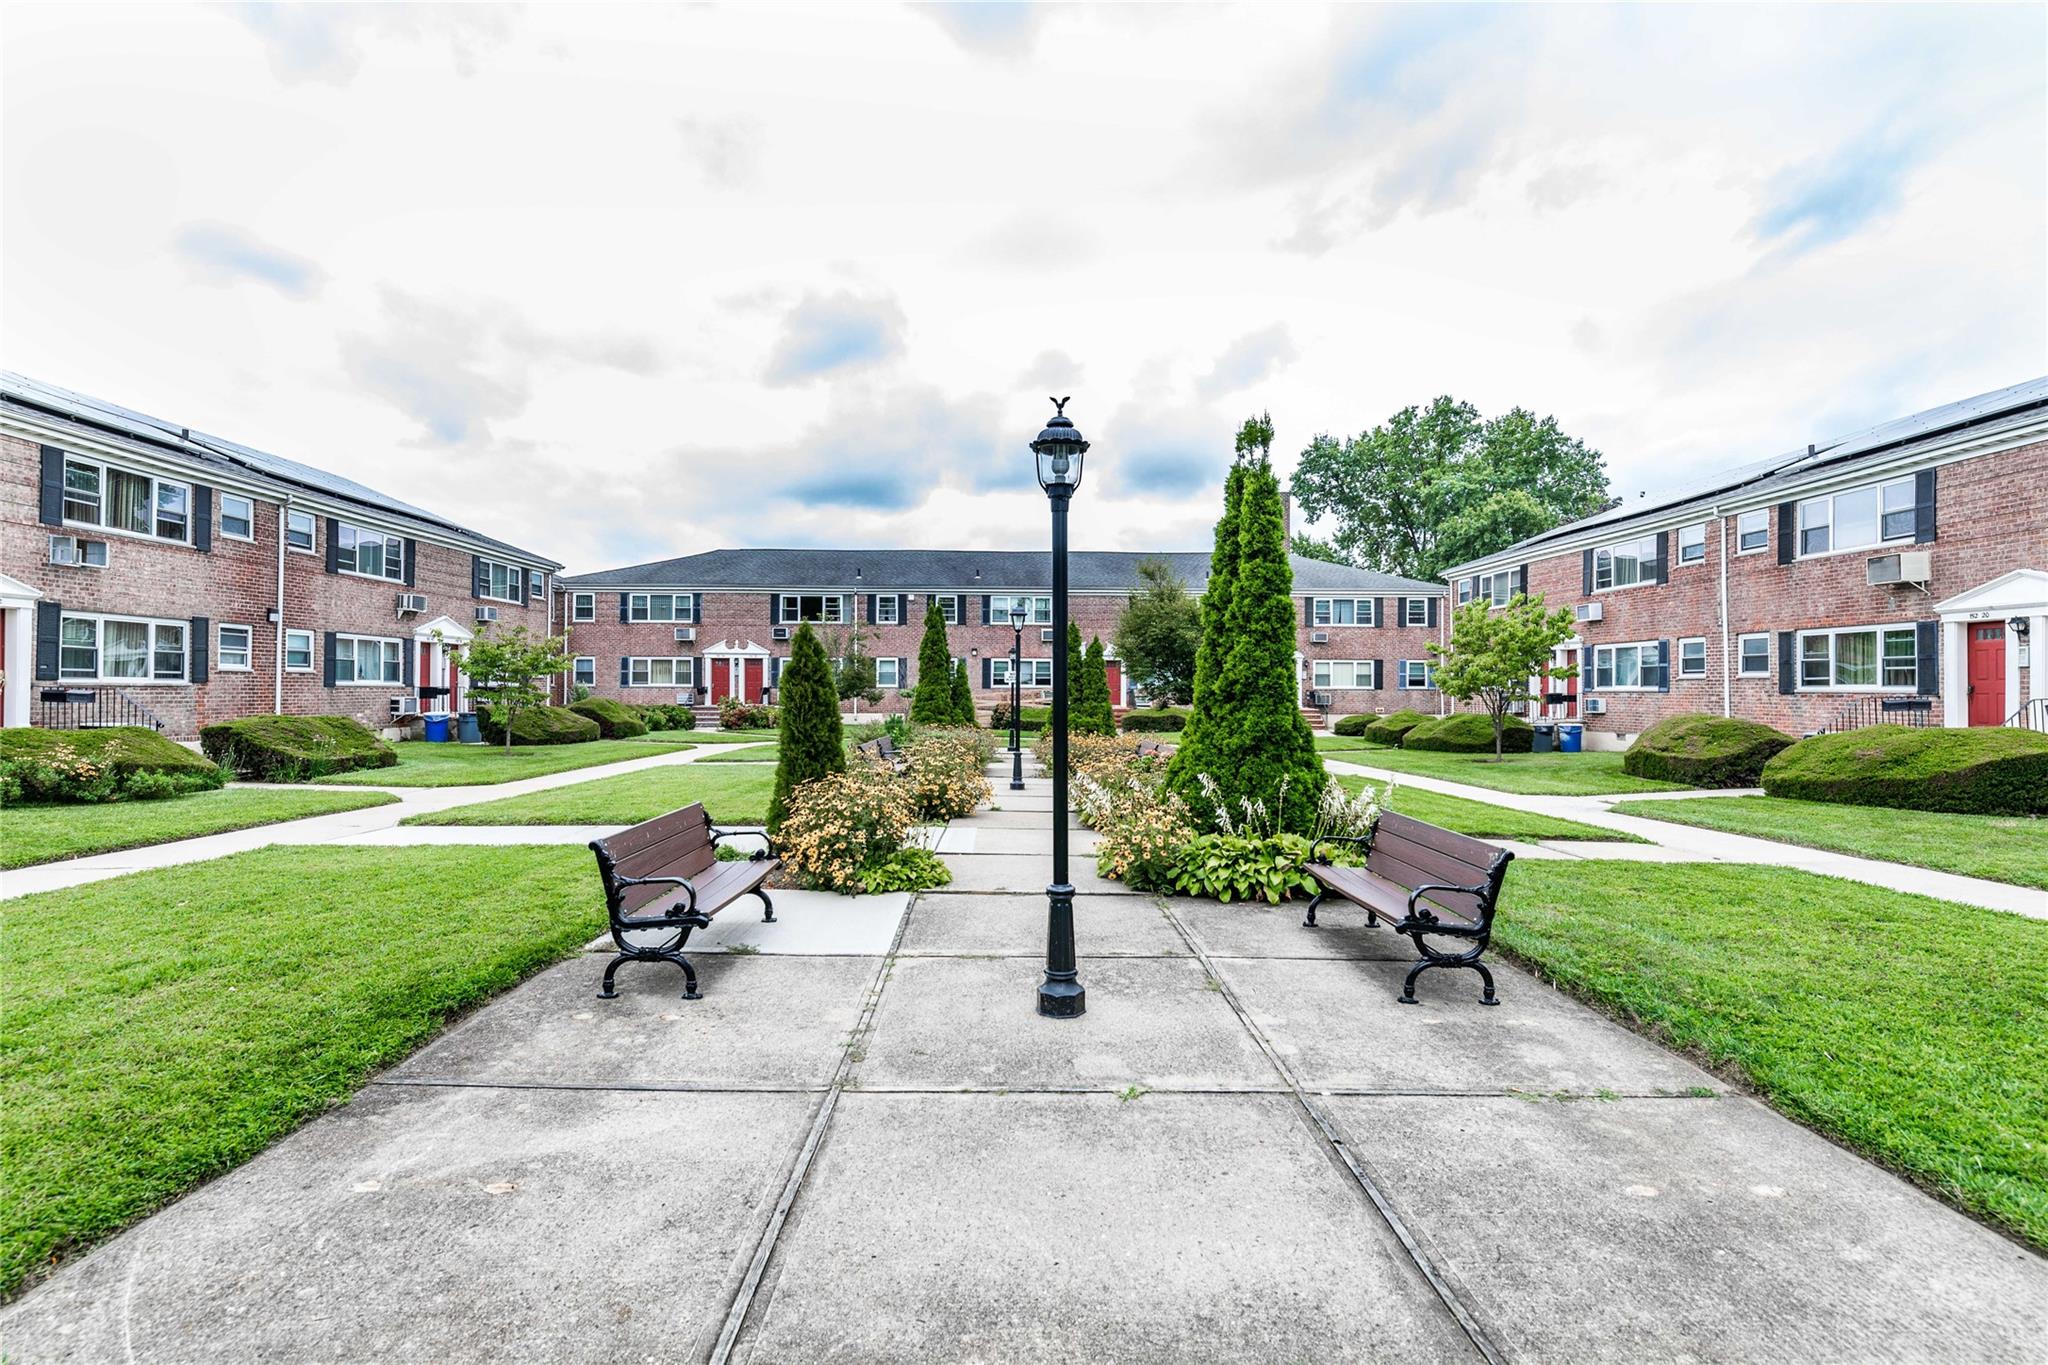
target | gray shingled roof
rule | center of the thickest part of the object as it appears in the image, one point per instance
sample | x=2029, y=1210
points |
x=219, y=453
x=958, y=570
x=1758, y=481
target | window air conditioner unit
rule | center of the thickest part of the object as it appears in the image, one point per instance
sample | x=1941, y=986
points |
x=486, y=614
x=1587, y=611
x=412, y=602
x=86, y=554
x=1908, y=566
x=685, y=634
x=1319, y=637
x=1596, y=706
x=405, y=706
x=782, y=632
x=1045, y=636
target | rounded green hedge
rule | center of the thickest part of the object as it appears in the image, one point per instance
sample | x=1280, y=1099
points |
x=615, y=719
x=1154, y=721
x=1353, y=725
x=1391, y=730
x=1982, y=771
x=116, y=763
x=1704, y=751
x=295, y=748
x=542, y=725
x=1469, y=732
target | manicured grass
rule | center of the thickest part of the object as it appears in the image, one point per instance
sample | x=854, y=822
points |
x=704, y=737
x=1553, y=774
x=461, y=765
x=767, y=753
x=2004, y=848
x=1905, y=1027
x=734, y=794
x=43, y=834
x=1483, y=821
x=161, y=1028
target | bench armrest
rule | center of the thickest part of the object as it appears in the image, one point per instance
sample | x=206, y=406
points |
x=1365, y=839
x=768, y=844
x=683, y=882
x=1457, y=930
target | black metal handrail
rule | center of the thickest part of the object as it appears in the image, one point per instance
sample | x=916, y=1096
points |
x=91, y=708
x=2032, y=715
x=1865, y=711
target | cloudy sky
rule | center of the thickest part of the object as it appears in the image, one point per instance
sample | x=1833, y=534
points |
x=624, y=281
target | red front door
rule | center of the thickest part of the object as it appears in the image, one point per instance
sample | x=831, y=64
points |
x=1115, y=673
x=753, y=692
x=1987, y=675
x=721, y=680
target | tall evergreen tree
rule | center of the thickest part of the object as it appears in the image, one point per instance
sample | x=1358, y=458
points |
x=811, y=743
x=963, y=696
x=1194, y=755
x=933, y=702
x=1099, y=712
x=1077, y=681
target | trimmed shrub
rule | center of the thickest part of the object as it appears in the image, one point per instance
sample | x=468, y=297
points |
x=615, y=720
x=1352, y=725
x=119, y=763
x=1981, y=771
x=653, y=715
x=1469, y=732
x=542, y=725
x=680, y=717
x=1032, y=717
x=1154, y=722
x=295, y=748
x=1704, y=751
x=1391, y=730
x=734, y=714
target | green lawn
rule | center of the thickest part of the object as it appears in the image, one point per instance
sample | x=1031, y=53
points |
x=734, y=794
x=461, y=765
x=1483, y=821
x=2003, y=848
x=767, y=753
x=1584, y=774
x=1905, y=1027
x=161, y=1028
x=44, y=834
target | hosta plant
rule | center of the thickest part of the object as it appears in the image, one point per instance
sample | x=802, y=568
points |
x=907, y=869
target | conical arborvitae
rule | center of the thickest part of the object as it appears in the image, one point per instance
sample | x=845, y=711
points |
x=963, y=697
x=933, y=702
x=1194, y=754
x=811, y=744
x=1099, y=717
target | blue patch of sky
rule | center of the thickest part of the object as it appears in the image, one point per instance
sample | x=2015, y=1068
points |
x=823, y=334
x=226, y=253
x=1833, y=197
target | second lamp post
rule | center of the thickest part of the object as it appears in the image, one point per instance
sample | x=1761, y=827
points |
x=1059, y=449
x=1017, y=614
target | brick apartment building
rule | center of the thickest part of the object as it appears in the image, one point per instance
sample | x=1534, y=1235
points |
x=150, y=573
x=1899, y=573
x=712, y=625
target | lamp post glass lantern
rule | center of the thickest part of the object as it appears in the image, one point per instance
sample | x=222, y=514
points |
x=1017, y=614
x=1059, y=449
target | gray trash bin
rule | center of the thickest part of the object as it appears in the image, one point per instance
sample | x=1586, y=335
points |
x=1540, y=744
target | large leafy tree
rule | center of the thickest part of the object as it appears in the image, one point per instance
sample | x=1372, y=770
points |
x=1434, y=486
x=932, y=703
x=1158, y=634
x=509, y=672
x=811, y=744
x=1494, y=652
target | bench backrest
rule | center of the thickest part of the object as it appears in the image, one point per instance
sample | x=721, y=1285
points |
x=674, y=845
x=883, y=748
x=1407, y=851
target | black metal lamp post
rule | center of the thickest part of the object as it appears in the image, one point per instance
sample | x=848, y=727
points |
x=1059, y=449
x=1017, y=615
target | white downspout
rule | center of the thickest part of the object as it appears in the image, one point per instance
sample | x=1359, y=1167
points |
x=277, y=653
x=547, y=582
x=1727, y=677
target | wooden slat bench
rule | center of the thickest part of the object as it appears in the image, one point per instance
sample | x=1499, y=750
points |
x=665, y=875
x=881, y=749
x=1425, y=882
x=1150, y=748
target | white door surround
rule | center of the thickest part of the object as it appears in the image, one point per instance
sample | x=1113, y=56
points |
x=2021, y=593
x=18, y=608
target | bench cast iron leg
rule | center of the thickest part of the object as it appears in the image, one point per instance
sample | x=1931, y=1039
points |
x=1433, y=958
x=767, y=908
x=611, y=970
x=609, y=992
x=1310, y=922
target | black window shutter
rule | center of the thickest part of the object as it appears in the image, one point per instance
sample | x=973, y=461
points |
x=1663, y=557
x=1663, y=665
x=1308, y=611
x=625, y=671
x=202, y=518
x=1788, y=531
x=902, y=607
x=871, y=609
x=408, y=652
x=49, y=634
x=1928, y=649
x=988, y=672
x=412, y=563
x=479, y=579
x=199, y=645
x=333, y=552
x=697, y=607
x=1432, y=611
x=902, y=669
x=1522, y=579
x=624, y=599
x=1400, y=611
x=53, y=486
x=984, y=608
x=1586, y=667
x=1379, y=674
x=1586, y=574
x=1923, y=507
x=774, y=608
x=1379, y=615
x=327, y=671
x=1788, y=664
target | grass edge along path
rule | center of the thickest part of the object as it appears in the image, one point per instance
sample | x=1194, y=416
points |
x=1999, y=848
x=733, y=793
x=34, y=835
x=162, y=1028
x=1593, y=773
x=1903, y=1027
x=421, y=764
x=1483, y=820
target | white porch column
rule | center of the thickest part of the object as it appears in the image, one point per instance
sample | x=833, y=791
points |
x=2012, y=672
x=1955, y=673
x=21, y=665
x=2037, y=657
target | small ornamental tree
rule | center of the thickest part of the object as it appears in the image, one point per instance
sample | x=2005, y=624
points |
x=853, y=672
x=1098, y=716
x=1159, y=633
x=1193, y=756
x=932, y=703
x=1494, y=653
x=509, y=671
x=963, y=696
x=810, y=741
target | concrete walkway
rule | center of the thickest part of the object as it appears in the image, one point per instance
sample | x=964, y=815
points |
x=1245, y=1150
x=1689, y=843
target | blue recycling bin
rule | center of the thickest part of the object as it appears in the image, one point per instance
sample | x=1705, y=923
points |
x=467, y=729
x=1568, y=737
x=437, y=728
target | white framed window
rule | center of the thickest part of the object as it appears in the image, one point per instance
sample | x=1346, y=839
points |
x=1496, y=589
x=1339, y=674
x=885, y=611
x=583, y=606
x=1417, y=609
x=1692, y=543
x=1753, y=531
x=1692, y=657
x=1753, y=656
x=1623, y=565
x=232, y=649
x=298, y=651
x=887, y=676
x=369, y=554
x=501, y=582
x=1415, y=674
x=1343, y=611
x=680, y=671
x=949, y=607
x=585, y=672
x=819, y=608
x=1030, y=673
x=126, y=501
x=1627, y=668
x=1464, y=591
x=298, y=532
x=1037, y=609
x=1859, y=659
x=660, y=606
x=120, y=649
x=237, y=517
x=536, y=583
x=1856, y=518
x=366, y=661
